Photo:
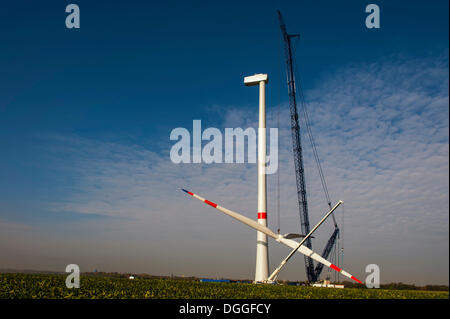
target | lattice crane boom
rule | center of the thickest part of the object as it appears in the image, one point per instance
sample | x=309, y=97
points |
x=312, y=274
x=297, y=147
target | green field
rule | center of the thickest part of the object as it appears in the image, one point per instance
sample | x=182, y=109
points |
x=53, y=286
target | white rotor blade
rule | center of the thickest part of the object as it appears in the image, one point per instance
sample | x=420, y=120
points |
x=279, y=238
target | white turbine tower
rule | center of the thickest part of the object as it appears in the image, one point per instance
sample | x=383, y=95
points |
x=262, y=255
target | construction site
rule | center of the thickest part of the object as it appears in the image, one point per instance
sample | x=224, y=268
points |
x=314, y=262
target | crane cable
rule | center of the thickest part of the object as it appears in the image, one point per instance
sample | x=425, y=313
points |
x=311, y=139
x=278, y=126
x=339, y=254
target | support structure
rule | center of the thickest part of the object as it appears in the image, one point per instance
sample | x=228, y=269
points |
x=262, y=254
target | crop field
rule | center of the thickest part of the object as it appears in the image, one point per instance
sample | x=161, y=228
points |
x=36, y=286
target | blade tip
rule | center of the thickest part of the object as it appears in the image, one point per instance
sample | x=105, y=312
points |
x=187, y=192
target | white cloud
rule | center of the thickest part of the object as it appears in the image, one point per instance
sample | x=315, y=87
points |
x=382, y=135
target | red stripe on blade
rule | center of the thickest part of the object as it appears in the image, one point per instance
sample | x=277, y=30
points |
x=335, y=268
x=210, y=203
x=356, y=279
x=192, y=194
x=262, y=215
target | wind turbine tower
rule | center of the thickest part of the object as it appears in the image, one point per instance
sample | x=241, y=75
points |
x=262, y=256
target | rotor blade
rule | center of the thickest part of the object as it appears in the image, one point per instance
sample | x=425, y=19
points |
x=308, y=252
x=279, y=238
x=239, y=217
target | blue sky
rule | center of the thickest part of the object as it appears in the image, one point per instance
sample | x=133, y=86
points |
x=85, y=119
